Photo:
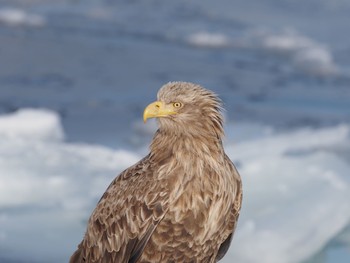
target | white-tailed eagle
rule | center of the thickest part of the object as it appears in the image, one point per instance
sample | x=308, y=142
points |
x=181, y=202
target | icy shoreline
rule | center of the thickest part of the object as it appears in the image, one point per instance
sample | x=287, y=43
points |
x=295, y=202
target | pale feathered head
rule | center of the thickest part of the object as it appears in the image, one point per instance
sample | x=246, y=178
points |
x=187, y=108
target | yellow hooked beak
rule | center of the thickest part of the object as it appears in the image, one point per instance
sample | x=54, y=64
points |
x=158, y=109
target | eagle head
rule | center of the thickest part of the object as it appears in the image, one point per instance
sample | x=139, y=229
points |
x=184, y=107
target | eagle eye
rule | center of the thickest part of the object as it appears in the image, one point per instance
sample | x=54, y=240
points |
x=177, y=104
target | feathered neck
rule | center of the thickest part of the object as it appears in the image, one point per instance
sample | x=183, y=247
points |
x=191, y=146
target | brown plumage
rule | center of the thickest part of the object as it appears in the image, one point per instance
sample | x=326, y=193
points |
x=178, y=204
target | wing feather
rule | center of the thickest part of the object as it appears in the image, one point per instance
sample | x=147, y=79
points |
x=125, y=217
x=235, y=210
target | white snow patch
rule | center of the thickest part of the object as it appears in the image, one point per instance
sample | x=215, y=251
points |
x=306, y=54
x=296, y=195
x=302, y=52
x=48, y=184
x=206, y=39
x=18, y=17
x=31, y=124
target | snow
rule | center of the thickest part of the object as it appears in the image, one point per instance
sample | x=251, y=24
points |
x=18, y=17
x=206, y=39
x=31, y=124
x=295, y=194
x=295, y=199
x=48, y=186
x=305, y=54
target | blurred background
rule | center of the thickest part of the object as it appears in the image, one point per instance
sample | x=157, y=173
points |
x=75, y=76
